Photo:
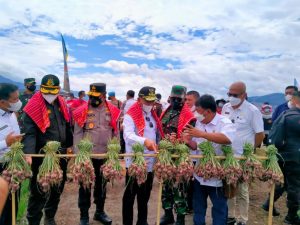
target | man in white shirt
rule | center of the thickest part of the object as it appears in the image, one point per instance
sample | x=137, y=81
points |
x=129, y=101
x=220, y=131
x=141, y=125
x=9, y=133
x=191, y=98
x=250, y=129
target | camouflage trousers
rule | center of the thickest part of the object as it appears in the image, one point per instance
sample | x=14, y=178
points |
x=175, y=195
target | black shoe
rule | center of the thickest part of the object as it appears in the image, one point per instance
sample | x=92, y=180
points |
x=49, y=221
x=180, y=220
x=103, y=218
x=265, y=207
x=168, y=218
x=142, y=223
x=231, y=221
x=84, y=222
x=294, y=221
x=241, y=223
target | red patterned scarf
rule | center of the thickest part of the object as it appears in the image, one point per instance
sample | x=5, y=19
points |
x=185, y=117
x=136, y=113
x=36, y=109
x=80, y=115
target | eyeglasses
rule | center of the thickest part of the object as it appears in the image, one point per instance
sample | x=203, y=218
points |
x=150, y=123
x=233, y=95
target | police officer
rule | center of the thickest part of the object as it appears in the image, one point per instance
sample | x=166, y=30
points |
x=173, y=120
x=285, y=134
x=45, y=118
x=30, y=87
x=97, y=120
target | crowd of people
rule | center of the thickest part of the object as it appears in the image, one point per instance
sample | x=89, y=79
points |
x=35, y=117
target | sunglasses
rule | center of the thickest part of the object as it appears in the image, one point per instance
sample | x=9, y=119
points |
x=150, y=123
x=233, y=95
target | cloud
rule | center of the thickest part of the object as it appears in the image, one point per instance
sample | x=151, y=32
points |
x=141, y=55
x=82, y=45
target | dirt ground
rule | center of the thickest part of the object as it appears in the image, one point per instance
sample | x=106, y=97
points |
x=68, y=213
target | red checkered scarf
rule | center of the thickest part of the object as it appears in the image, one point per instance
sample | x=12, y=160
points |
x=36, y=109
x=136, y=113
x=185, y=117
x=80, y=114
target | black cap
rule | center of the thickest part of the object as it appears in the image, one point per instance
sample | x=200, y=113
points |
x=29, y=81
x=97, y=89
x=147, y=93
x=50, y=84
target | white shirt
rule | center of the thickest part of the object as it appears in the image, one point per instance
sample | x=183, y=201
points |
x=128, y=104
x=248, y=121
x=219, y=124
x=8, y=124
x=131, y=137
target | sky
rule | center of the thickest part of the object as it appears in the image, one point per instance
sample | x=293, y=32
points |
x=203, y=45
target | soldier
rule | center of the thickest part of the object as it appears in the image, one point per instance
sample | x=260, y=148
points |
x=30, y=87
x=97, y=120
x=45, y=119
x=174, y=119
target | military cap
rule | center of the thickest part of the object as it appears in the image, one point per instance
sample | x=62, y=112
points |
x=50, y=84
x=178, y=91
x=111, y=94
x=29, y=81
x=147, y=93
x=97, y=89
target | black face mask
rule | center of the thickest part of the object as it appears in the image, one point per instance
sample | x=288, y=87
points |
x=31, y=87
x=176, y=103
x=95, y=102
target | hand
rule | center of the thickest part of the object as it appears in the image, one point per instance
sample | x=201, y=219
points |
x=185, y=137
x=150, y=145
x=193, y=132
x=11, y=138
x=28, y=159
x=172, y=137
x=69, y=151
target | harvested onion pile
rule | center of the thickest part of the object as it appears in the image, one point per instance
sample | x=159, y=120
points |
x=164, y=168
x=82, y=170
x=252, y=167
x=112, y=169
x=138, y=167
x=17, y=169
x=50, y=173
x=208, y=166
x=232, y=169
x=272, y=171
x=185, y=166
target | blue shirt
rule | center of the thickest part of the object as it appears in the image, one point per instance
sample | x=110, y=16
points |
x=280, y=109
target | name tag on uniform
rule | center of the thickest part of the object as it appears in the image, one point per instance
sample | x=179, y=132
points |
x=227, y=113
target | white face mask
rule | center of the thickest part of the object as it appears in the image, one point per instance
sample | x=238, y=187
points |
x=234, y=101
x=288, y=97
x=290, y=105
x=15, y=107
x=147, y=108
x=50, y=98
x=199, y=116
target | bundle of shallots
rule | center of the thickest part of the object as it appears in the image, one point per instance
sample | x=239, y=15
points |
x=185, y=166
x=272, y=171
x=138, y=167
x=164, y=168
x=17, y=169
x=232, y=169
x=50, y=173
x=112, y=168
x=252, y=167
x=208, y=166
x=82, y=170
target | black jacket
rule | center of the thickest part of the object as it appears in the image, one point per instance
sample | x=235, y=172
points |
x=59, y=130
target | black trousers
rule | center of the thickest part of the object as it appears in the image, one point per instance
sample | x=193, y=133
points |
x=291, y=172
x=38, y=200
x=84, y=200
x=6, y=217
x=143, y=195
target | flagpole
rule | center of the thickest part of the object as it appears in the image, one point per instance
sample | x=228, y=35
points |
x=66, y=73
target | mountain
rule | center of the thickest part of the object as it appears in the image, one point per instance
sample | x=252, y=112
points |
x=274, y=99
x=6, y=80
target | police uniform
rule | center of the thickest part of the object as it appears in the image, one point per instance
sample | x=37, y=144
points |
x=99, y=124
x=29, y=83
x=173, y=120
x=39, y=129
